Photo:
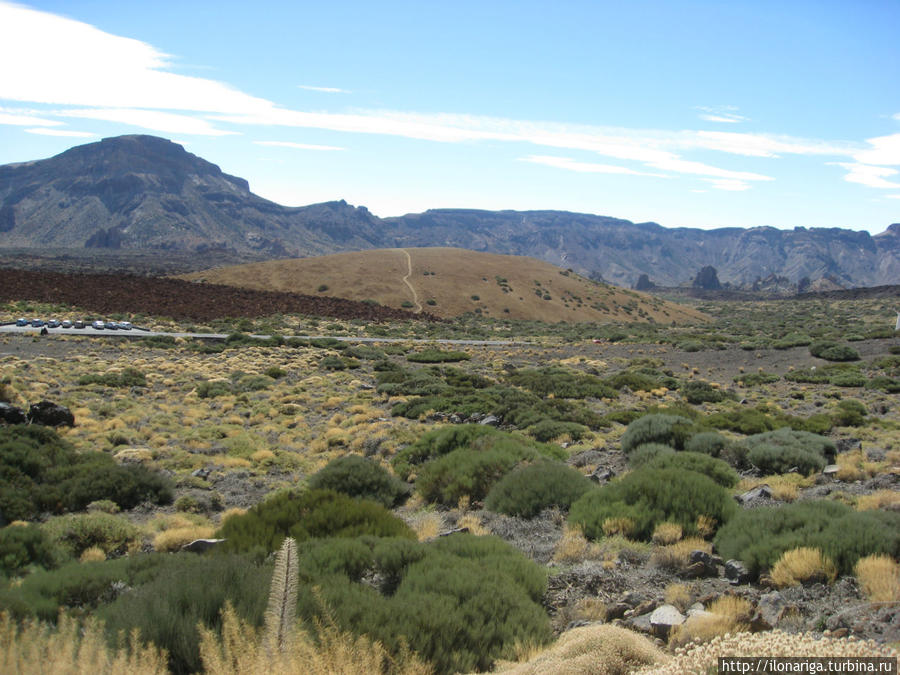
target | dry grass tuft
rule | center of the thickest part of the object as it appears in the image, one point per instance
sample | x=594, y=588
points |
x=590, y=609
x=879, y=577
x=38, y=649
x=803, y=565
x=590, y=650
x=677, y=556
x=173, y=539
x=706, y=526
x=667, y=533
x=93, y=554
x=574, y=547
x=427, y=525
x=678, y=594
x=622, y=526
x=882, y=499
x=473, y=522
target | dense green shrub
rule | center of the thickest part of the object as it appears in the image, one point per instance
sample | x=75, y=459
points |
x=833, y=351
x=27, y=546
x=128, y=377
x=760, y=536
x=742, y=420
x=849, y=413
x=214, y=388
x=359, y=476
x=848, y=379
x=889, y=385
x=672, y=430
x=546, y=430
x=561, y=383
x=708, y=442
x=420, y=382
x=436, y=443
x=756, y=379
x=39, y=472
x=469, y=472
x=76, y=532
x=792, y=340
x=779, y=451
x=437, y=356
x=634, y=380
x=647, y=452
x=716, y=469
x=703, y=392
x=649, y=496
x=530, y=489
x=308, y=515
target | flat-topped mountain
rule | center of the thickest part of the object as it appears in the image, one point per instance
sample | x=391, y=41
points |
x=147, y=193
x=448, y=282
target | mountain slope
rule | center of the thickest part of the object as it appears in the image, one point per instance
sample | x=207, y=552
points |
x=147, y=193
x=449, y=282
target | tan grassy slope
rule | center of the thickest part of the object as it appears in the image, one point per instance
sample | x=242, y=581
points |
x=456, y=281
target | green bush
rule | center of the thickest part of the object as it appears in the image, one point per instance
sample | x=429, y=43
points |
x=649, y=496
x=671, y=430
x=714, y=468
x=469, y=472
x=358, y=476
x=647, y=452
x=27, y=546
x=561, y=383
x=129, y=377
x=437, y=443
x=74, y=533
x=547, y=430
x=530, y=489
x=214, y=388
x=708, y=442
x=849, y=413
x=756, y=379
x=703, y=392
x=760, y=536
x=40, y=472
x=849, y=379
x=308, y=515
x=833, y=351
x=889, y=385
x=775, y=452
x=437, y=356
x=792, y=340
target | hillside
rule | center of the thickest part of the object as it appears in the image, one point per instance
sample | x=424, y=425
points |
x=142, y=193
x=449, y=282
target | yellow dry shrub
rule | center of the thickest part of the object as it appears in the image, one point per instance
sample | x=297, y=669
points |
x=242, y=650
x=590, y=650
x=263, y=456
x=703, y=658
x=93, y=554
x=802, y=565
x=678, y=594
x=39, y=649
x=667, y=533
x=233, y=462
x=706, y=526
x=172, y=540
x=677, y=556
x=882, y=499
x=427, y=525
x=473, y=522
x=622, y=526
x=229, y=513
x=590, y=609
x=879, y=577
x=727, y=614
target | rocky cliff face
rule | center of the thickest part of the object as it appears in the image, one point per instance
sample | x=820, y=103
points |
x=147, y=193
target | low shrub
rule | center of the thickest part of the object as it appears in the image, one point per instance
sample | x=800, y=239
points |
x=437, y=356
x=833, y=351
x=760, y=536
x=803, y=565
x=358, y=476
x=649, y=496
x=879, y=577
x=307, y=515
x=779, y=451
x=756, y=379
x=128, y=377
x=27, y=546
x=849, y=413
x=530, y=489
x=561, y=383
x=671, y=430
x=695, y=392
x=214, y=388
x=888, y=385
x=548, y=430
x=707, y=442
x=643, y=454
x=714, y=468
x=76, y=532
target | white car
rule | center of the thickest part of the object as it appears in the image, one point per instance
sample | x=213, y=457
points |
x=98, y=325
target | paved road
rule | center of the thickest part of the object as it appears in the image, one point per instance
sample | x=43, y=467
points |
x=139, y=333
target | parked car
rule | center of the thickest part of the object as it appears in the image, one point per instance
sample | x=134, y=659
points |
x=53, y=323
x=111, y=325
x=98, y=325
x=37, y=323
x=66, y=324
x=78, y=324
x=22, y=322
x=125, y=325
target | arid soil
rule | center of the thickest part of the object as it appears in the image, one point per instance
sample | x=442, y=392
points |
x=113, y=293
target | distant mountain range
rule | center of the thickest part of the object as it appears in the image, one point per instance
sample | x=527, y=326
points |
x=147, y=193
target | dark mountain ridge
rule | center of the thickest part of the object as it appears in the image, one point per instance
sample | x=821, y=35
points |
x=146, y=193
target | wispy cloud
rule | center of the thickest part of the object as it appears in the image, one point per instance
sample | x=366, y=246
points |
x=298, y=146
x=157, y=120
x=324, y=90
x=44, y=131
x=726, y=114
x=25, y=118
x=729, y=184
x=585, y=167
x=882, y=150
x=870, y=176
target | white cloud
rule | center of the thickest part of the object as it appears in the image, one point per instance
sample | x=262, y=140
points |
x=157, y=120
x=726, y=114
x=762, y=145
x=871, y=176
x=298, y=146
x=43, y=131
x=882, y=150
x=25, y=118
x=729, y=184
x=584, y=167
x=893, y=196
x=324, y=90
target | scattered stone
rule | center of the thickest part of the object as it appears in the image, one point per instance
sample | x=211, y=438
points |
x=737, y=573
x=641, y=623
x=695, y=609
x=10, y=414
x=50, y=414
x=645, y=607
x=664, y=618
x=585, y=457
x=769, y=611
x=201, y=545
x=458, y=530
x=701, y=565
x=759, y=492
x=875, y=454
x=491, y=421
x=455, y=419
x=616, y=610
x=602, y=475
x=631, y=598
x=201, y=473
x=843, y=445
x=831, y=470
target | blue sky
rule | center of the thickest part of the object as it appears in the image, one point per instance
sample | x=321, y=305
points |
x=691, y=114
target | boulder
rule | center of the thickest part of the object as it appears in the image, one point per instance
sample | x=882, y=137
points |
x=737, y=573
x=201, y=545
x=50, y=414
x=759, y=492
x=10, y=414
x=491, y=421
x=769, y=611
x=664, y=618
x=134, y=455
x=702, y=564
x=602, y=475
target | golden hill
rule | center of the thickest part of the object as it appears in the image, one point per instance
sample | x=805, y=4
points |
x=449, y=282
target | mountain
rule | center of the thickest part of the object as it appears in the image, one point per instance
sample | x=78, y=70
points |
x=448, y=282
x=147, y=193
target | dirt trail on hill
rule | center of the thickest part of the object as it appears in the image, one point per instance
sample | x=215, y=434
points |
x=408, y=284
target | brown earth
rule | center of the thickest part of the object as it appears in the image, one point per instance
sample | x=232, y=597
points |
x=179, y=299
